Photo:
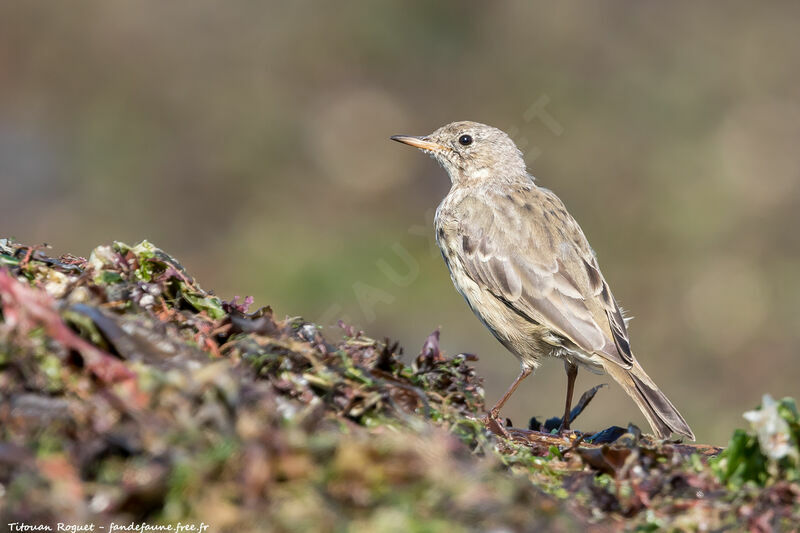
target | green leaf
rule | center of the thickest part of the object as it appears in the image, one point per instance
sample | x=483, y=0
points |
x=742, y=461
x=108, y=277
x=555, y=452
x=145, y=252
x=8, y=260
x=201, y=302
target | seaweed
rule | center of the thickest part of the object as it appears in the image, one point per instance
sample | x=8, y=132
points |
x=129, y=394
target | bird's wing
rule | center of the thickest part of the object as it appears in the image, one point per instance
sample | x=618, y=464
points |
x=531, y=254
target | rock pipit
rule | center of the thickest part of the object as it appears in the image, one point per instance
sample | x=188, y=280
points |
x=527, y=271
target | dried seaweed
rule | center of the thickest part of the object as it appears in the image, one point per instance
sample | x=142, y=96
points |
x=129, y=393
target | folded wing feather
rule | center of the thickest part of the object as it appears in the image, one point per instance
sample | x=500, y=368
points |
x=548, y=276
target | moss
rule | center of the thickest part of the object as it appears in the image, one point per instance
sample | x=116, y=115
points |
x=157, y=400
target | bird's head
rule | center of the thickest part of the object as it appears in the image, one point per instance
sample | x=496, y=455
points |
x=471, y=151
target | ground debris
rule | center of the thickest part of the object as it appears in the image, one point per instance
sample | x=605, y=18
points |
x=130, y=393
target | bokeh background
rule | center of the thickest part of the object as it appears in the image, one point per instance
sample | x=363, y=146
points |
x=250, y=139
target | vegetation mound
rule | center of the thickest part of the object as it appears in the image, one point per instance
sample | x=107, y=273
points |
x=130, y=395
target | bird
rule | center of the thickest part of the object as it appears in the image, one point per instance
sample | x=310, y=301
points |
x=526, y=269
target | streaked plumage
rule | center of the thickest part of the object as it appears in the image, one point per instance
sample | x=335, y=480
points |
x=526, y=269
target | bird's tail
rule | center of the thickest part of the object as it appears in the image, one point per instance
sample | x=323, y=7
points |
x=656, y=407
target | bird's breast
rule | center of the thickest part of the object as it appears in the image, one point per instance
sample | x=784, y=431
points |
x=505, y=325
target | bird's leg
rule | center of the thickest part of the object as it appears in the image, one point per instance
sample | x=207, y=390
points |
x=572, y=373
x=524, y=373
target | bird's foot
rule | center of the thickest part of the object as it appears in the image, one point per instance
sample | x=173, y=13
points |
x=564, y=431
x=493, y=423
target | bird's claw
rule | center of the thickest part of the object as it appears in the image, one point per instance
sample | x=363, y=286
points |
x=564, y=430
x=492, y=422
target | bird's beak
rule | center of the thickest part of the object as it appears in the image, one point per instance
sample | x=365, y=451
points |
x=418, y=142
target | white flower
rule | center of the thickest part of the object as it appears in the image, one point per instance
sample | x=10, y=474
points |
x=774, y=437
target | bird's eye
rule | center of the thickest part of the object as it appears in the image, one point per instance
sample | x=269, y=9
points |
x=465, y=140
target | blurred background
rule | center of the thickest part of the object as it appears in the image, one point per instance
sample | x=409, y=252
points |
x=250, y=140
